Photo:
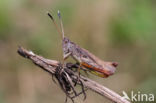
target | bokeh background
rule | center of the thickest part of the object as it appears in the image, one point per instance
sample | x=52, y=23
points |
x=114, y=30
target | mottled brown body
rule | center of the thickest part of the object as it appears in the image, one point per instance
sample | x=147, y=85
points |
x=87, y=60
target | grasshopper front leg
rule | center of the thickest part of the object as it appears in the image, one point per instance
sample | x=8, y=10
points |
x=65, y=56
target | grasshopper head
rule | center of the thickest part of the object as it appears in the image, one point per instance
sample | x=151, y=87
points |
x=66, y=46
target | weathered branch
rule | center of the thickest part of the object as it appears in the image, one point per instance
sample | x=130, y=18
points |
x=51, y=66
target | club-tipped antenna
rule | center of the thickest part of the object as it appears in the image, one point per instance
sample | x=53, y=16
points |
x=61, y=24
x=51, y=17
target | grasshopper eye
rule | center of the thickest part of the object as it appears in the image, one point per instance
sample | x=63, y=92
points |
x=65, y=41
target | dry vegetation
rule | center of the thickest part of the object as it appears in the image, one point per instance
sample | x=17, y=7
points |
x=122, y=31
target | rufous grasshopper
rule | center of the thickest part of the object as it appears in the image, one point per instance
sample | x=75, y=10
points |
x=87, y=60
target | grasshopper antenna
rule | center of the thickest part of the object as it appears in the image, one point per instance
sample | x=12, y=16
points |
x=51, y=17
x=61, y=24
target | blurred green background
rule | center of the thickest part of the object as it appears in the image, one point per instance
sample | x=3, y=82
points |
x=114, y=30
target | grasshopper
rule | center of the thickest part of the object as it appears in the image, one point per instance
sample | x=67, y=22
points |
x=87, y=60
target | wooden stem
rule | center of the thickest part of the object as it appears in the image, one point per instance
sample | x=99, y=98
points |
x=51, y=65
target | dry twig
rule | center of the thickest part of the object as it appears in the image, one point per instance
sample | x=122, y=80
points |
x=51, y=66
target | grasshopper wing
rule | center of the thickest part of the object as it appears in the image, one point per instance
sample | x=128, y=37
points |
x=97, y=65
